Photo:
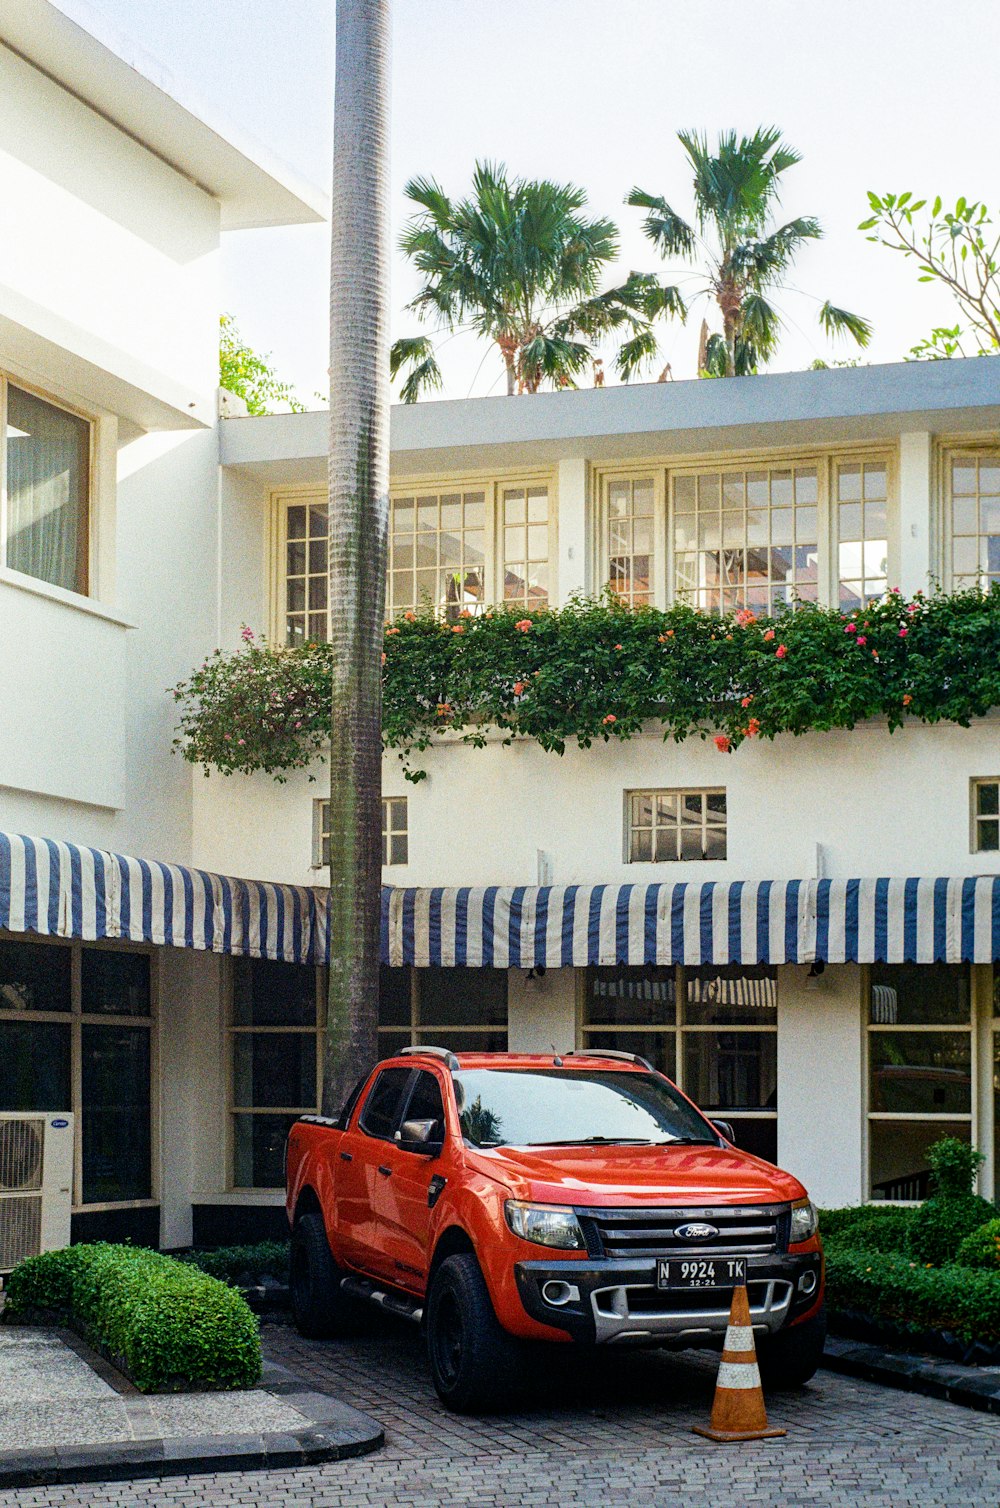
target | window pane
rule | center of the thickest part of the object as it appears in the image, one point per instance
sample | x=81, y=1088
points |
x=274, y=1069
x=116, y=1113
x=48, y=466
x=425, y=1100
x=921, y=1072
x=658, y=1048
x=34, y=1065
x=394, y=996
x=115, y=983
x=34, y=976
x=462, y=997
x=390, y=1042
x=382, y=1105
x=898, y=1155
x=267, y=993
x=910, y=994
x=731, y=996
x=731, y=1070
x=259, y=1150
x=459, y=1041
x=758, y=1137
x=988, y=797
x=636, y=996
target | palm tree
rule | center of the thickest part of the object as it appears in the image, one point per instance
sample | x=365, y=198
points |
x=744, y=257
x=359, y=474
x=518, y=263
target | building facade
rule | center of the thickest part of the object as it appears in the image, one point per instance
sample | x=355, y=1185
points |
x=831, y=993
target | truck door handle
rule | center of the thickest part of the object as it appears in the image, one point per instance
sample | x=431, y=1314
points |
x=386, y=1172
x=347, y=1157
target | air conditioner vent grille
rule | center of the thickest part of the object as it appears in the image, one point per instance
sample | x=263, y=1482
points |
x=21, y=1155
x=20, y=1228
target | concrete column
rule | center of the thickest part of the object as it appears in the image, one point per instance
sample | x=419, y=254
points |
x=821, y=1112
x=918, y=534
x=541, y=1013
x=573, y=527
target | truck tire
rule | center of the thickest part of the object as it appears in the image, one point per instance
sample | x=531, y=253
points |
x=473, y=1361
x=319, y=1307
x=790, y=1358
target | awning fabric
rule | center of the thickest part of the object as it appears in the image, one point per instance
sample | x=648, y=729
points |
x=63, y=890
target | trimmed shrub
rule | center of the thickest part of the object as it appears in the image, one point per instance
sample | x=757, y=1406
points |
x=244, y=1266
x=883, y=1226
x=953, y=1211
x=889, y=1288
x=167, y=1325
x=982, y=1248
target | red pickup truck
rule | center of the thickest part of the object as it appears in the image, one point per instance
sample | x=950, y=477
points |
x=502, y=1198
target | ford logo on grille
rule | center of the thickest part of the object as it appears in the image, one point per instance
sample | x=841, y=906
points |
x=696, y=1231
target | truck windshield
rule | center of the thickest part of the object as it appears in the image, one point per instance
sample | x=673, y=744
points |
x=541, y=1107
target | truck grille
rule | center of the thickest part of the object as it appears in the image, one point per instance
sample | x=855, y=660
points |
x=746, y=1230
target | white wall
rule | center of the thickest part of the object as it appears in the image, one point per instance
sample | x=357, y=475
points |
x=541, y=1011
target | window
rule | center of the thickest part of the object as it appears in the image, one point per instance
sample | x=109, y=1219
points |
x=454, y=549
x=665, y=826
x=77, y=1026
x=920, y=1069
x=975, y=520
x=630, y=509
x=382, y=1106
x=464, y=1009
x=276, y=1018
x=44, y=505
x=985, y=815
x=746, y=538
x=425, y=1102
x=713, y=1030
x=395, y=838
x=862, y=523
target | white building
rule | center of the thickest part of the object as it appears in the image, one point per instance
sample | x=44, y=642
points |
x=138, y=533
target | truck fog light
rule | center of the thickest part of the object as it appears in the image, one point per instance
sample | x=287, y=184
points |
x=557, y=1294
x=807, y=1283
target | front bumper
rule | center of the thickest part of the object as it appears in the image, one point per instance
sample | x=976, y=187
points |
x=618, y=1302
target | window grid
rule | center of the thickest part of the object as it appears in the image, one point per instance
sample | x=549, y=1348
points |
x=746, y=538
x=78, y=1020
x=419, y=1030
x=395, y=833
x=985, y=794
x=631, y=524
x=68, y=468
x=665, y=826
x=975, y=520
x=306, y=581
x=526, y=546
x=437, y=553
x=862, y=502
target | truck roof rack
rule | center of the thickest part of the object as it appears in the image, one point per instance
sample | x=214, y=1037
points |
x=444, y=1053
x=607, y=1052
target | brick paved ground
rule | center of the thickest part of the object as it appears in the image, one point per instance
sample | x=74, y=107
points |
x=611, y=1432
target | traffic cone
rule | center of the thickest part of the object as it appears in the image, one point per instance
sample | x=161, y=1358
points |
x=738, y=1411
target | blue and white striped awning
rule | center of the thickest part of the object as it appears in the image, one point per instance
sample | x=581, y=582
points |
x=65, y=890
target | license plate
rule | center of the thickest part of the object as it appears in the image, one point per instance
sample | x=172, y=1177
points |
x=701, y=1272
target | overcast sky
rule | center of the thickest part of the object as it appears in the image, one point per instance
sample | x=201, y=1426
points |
x=873, y=93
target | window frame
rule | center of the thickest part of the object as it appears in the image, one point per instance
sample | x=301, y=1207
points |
x=975, y=817
x=417, y=1029
x=231, y=1031
x=86, y=543
x=679, y=792
x=320, y=832
x=949, y=451
x=76, y=1018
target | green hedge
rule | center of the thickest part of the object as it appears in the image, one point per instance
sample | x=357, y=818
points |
x=981, y=1248
x=244, y=1266
x=892, y=1289
x=165, y=1323
x=885, y=1226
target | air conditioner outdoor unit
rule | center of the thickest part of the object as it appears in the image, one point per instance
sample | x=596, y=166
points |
x=36, y=1184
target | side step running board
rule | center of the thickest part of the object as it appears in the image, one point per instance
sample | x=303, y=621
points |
x=393, y=1303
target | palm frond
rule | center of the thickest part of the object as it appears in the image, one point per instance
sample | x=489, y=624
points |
x=670, y=234
x=761, y=327
x=417, y=353
x=842, y=322
x=635, y=353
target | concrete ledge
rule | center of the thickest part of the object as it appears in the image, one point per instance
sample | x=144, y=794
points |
x=972, y=1387
x=335, y=1432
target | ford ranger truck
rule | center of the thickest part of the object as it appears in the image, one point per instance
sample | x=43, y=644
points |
x=501, y=1198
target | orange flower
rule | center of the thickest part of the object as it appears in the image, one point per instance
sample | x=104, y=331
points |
x=443, y=708
x=746, y=701
x=907, y=699
x=609, y=719
x=769, y=633
x=722, y=743
x=465, y=613
x=780, y=652
x=458, y=629
x=664, y=637
x=523, y=625
x=745, y=616
x=518, y=687
x=410, y=617
x=753, y=727
x=390, y=631
x=383, y=657
x=618, y=646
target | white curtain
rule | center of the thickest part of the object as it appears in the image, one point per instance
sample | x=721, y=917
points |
x=48, y=453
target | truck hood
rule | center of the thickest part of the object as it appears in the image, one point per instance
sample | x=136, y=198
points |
x=639, y=1176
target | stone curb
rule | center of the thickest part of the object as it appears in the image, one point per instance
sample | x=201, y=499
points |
x=972, y=1387
x=335, y=1432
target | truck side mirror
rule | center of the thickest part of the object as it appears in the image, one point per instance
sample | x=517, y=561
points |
x=423, y=1137
x=725, y=1129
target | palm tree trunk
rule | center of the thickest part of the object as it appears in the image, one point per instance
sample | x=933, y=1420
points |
x=359, y=472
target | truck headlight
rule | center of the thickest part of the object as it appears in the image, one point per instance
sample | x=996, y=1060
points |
x=545, y=1224
x=805, y=1221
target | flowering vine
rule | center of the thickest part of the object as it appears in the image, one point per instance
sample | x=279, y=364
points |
x=599, y=670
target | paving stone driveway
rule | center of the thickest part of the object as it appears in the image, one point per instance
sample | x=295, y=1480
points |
x=614, y=1431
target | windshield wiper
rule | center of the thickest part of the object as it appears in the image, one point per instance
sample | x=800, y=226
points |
x=586, y=1141
x=689, y=1141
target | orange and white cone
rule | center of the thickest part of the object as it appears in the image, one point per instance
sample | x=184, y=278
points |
x=738, y=1411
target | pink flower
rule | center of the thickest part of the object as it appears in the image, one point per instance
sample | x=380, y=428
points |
x=862, y=639
x=519, y=687
x=780, y=652
x=609, y=719
x=241, y=740
x=850, y=628
x=745, y=617
x=722, y=743
x=894, y=589
x=227, y=736
x=297, y=726
x=903, y=632
x=769, y=633
x=523, y=625
x=914, y=607
x=246, y=634
x=618, y=646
